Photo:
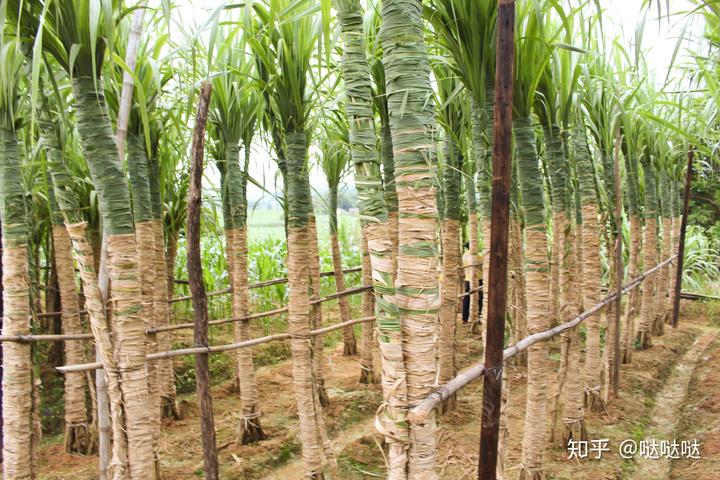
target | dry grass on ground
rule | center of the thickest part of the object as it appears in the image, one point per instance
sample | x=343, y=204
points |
x=349, y=420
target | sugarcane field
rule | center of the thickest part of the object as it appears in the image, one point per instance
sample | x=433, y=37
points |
x=360, y=239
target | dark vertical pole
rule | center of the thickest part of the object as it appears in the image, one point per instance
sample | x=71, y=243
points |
x=197, y=287
x=497, y=291
x=681, y=245
x=619, y=270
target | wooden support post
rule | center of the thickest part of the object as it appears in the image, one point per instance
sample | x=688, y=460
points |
x=619, y=270
x=497, y=279
x=197, y=287
x=681, y=244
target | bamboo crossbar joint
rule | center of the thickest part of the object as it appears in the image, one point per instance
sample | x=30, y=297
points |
x=420, y=412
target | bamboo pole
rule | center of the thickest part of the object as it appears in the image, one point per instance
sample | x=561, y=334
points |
x=255, y=316
x=265, y=283
x=277, y=281
x=127, y=85
x=197, y=286
x=681, y=243
x=46, y=338
x=189, y=325
x=219, y=348
x=474, y=372
x=497, y=278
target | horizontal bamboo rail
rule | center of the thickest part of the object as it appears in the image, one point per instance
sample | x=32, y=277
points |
x=189, y=325
x=268, y=313
x=182, y=326
x=220, y=348
x=697, y=296
x=45, y=338
x=277, y=281
x=475, y=371
x=252, y=286
x=265, y=283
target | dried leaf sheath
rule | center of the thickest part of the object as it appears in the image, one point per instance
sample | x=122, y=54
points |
x=17, y=367
x=78, y=437
x=308, y=403
x=83, y=253
x=145, y=240
x=412, y=125
x=643, y=338
x=128, y=326
x=378, y=230
x=537, y=275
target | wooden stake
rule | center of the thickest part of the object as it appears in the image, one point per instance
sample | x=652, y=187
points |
x=681, y=245
x=197, y=287
x=497, y=279
x=619, y=271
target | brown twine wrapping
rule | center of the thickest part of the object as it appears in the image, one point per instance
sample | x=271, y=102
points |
x=83, y=254
x=393, y=233
x=390, y=419
x=130, y=350
x=592, y=273
x=170, y=258
x=675, y=227
x=648, y=292
x=517, y=269
x=664, y=288
x=368, y=309
x=535, y=426
x=632, y=307
x=77, y=439
x=572, y=391
x=299, y=326
x=559, y=308
x=484, y=270
x=17, y=374
x=449, y=286
x=349, y=343
x=244, y=356
x=418, y=302
x=164, y=368
x=145, y=243
x=316, y=309
x=474, y=273
x=556, y=266
x=504, y=435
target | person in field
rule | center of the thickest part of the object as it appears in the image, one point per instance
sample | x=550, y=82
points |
x=468, y=262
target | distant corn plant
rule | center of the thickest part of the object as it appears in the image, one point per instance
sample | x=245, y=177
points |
x=702, y=259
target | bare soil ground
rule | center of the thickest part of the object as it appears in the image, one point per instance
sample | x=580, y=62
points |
x=358, y=448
